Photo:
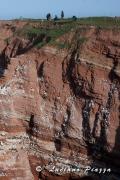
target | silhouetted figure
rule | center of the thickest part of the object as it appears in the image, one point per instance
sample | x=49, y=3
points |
x=56, y=18
x=74, y=18
x=48, y=16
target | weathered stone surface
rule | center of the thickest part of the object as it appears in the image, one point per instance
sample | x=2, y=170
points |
x=60, y=107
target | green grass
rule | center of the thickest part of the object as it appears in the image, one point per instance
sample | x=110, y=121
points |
x=82, y=40
x=95, y=21
x=28, y=31
x=7, y=40
x=40, y=44
x=100, y=21
x=50, y=34
x=53, y=30
x=60, y=45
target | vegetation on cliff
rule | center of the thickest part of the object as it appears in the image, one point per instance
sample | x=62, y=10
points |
x=43, y=32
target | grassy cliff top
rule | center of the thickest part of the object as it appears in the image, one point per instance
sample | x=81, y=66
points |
x=91, y=21
x=43, y=32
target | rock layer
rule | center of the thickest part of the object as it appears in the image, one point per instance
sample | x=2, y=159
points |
x=60, y=107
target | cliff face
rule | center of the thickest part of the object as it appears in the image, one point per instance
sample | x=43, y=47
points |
x=60, y=107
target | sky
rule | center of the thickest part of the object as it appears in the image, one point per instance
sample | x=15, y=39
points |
x=11, y=9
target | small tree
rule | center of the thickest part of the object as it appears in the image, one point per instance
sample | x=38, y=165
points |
x=48, y=16
x=62, y=14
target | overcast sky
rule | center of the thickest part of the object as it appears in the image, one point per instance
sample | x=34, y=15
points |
x=38, y=8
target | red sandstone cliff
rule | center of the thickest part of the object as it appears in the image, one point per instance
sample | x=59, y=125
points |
x=59, y=107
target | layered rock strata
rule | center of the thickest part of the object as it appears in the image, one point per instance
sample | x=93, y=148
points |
x=60, y=107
